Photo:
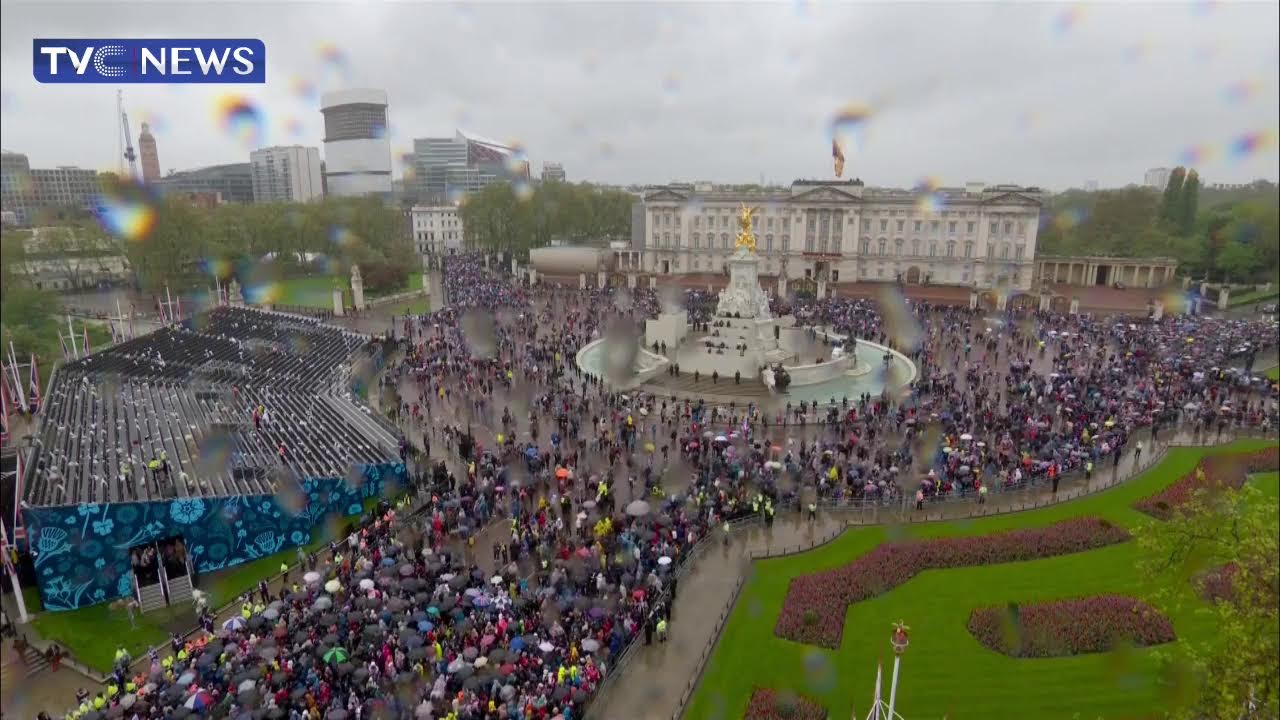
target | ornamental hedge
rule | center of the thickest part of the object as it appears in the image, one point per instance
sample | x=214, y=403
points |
x=1070, y=627
x=814, y=609
x=1213, y=471
x=770, y=704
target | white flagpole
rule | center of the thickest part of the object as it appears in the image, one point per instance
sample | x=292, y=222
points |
x=875, y=706
x=893, y=686
x=13, y=575
x=71, y=331
x=17, y=377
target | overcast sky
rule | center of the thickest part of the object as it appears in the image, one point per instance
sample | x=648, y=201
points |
x=1051, y=95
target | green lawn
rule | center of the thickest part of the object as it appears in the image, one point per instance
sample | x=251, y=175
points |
x=1252, y=297
x=1272, y=373
x=946, y=671
x=316, y=291
x=92, y=634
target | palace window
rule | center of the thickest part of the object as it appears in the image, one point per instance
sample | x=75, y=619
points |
x=933, y=248
x=897, y=246
x=769, y=223
x=697, y=243
x=1004, y=251
x=915, y=246
x=866, y=246
x=968, y=249
x=724, y=240
x=835, y=276
x=697, y=221
x=970, y=228
x=884, y=225
x=951, y=227
x=1022, y=227
x=900, y=224
x=934, y=226
x=951, y=249
x=991, y=250
x=883, y=244
x=1017, y=253
x=866, y=224
x=1008, y=228
x=768, y=242
x=786, y=243
x=918, y=224
x=995, y=228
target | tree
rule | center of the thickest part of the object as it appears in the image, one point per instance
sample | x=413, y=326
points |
x=1171, y=200
x=1237, y=261
x=1256, y=224
x=1234, y=667
x=1188, y=200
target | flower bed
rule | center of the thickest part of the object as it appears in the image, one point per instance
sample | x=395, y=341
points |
x=1213, y=471
x=770, y=704
x=814, y=609
x=1070, y=627
x=1218, y=585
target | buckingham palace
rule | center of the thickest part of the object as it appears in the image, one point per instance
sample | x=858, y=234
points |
x=823, y=231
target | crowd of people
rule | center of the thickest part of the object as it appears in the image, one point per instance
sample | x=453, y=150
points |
x=550, y=514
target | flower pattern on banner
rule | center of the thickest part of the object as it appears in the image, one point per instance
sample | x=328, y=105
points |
x=82, y=551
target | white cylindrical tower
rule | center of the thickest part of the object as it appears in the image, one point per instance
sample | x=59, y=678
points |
x=357, y=152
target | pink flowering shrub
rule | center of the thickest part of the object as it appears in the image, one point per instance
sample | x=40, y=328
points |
x=770, y=704
x=1070, y=627
x=1217, y=585
x=1213, y=471
x=828, y=593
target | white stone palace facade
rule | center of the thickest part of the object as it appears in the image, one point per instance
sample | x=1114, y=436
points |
x=844, y=232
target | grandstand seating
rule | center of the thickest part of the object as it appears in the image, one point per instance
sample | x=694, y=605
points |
x=190, y=391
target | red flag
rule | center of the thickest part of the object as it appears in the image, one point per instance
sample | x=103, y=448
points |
x=838, y=155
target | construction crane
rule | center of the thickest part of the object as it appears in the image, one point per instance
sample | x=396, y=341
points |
x=128, y=154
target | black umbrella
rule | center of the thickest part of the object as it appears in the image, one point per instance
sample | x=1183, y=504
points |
x=336, y=714
x=465, y=672
x=345, y=668
x=275, y=713
x=372, y=631
x=330, y=639
x=471, y=683
x=417, y=653
x=458, y=582
x=496, y=656
x=561, y=693
x=181, y=712
x=360, y=674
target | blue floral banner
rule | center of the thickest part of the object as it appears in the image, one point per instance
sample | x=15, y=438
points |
x=82, y=551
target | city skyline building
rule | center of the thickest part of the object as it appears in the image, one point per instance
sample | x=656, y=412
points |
x=232, y=181
x=286, y=174
x=25, y=190
x=1157, y=178
x=448, y=166
x=149, y=154
x=357, y=152
x=552, y=172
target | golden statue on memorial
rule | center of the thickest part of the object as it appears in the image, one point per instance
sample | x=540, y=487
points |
x=746, y=240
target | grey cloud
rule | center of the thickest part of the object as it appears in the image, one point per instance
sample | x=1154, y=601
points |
x=644, y=92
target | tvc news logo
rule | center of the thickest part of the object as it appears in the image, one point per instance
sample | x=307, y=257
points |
x=149, y=61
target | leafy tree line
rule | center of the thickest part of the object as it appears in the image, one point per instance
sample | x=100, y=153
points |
x=187, y=242
x=1224, y=235
x=499, y=219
